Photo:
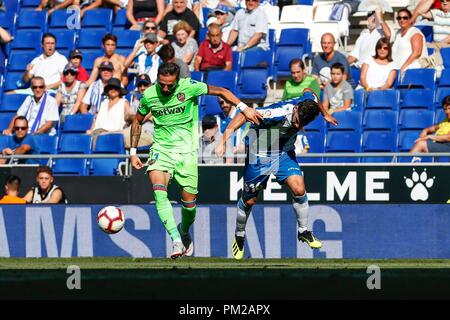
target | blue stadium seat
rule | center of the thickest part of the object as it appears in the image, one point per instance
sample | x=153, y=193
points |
x=343, y=141
x=419, y=78
x=65, y=40
x=71, y=167
x=252, y=84
x=383, y=99
x=7, y=21
x=90, y=40
x=3, y=141
x=272, y=39
x=75, y=144
x=209, y=105
x=441, y=93
x=380, y=120
x=427, y=31
x=226, y=79
x=316, y=141
x=127, y=38
x=108, y=143
x=11, y=102
x=46, y=145
x=19, y=61
x=32, y=20
x=120, y=20
x=124, y=51
x=415, y=119
x=378, y=141
x=12, y=5
x=60, y=18
x=356, y=74
x=202, y=34
x=359, y=100
x=30, y=3
x=5, y=119
x=445, y=52
x=347, y=121
x=77, y=123
x=317, y=125
x=197, y=75
x=444, y=80
x=236, y=61
x=11, y=80
x=259, y=59
x=89, y=59
x=439, y=115
x=417, y=99
x=27, y=40
x=406, y=140
x=97, y=19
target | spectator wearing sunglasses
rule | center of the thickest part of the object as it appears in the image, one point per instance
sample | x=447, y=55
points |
x=20, y=142
x=140, y=11
x=70, y=93
x=409, y=43
x=39, y=109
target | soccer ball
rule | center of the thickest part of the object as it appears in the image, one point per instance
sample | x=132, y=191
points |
x=110, y=219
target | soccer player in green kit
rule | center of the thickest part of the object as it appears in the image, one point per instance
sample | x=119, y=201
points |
x=174, y=107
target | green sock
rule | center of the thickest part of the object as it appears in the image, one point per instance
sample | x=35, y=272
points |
x=165, y=212
x=187, y=215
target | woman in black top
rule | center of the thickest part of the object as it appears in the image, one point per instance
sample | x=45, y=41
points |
x=139, y=11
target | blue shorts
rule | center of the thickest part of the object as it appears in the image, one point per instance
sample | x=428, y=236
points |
x=258, y=171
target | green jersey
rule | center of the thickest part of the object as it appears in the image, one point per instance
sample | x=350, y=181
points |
x=175, y=116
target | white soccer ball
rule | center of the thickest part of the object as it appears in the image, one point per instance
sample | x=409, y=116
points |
x=110, y=219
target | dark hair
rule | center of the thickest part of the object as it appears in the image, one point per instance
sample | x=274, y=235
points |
x=169, y=69
x=380, y=43
x=208, y=122
x=45, y=169
x=445, y=101
x=339, y=66
x=405, y=10
x=307, y=111
x=48, y=35
x=166, y=52
x=21, y=118
x=13, y=181
x=109, y=36
x=297, y=61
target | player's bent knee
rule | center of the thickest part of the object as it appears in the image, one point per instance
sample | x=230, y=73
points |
x=189, y=204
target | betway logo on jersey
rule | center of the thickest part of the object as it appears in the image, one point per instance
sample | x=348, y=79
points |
x=168, y=111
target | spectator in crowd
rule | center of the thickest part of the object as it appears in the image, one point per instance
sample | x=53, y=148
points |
x=441, y=29
x=75, y=58
x=5, y=37
x=87, y=5
x=53, y=5
x=49, y=65
x=94, y=95
x=379, y=72
x=70, y=93
x=40, y=110
x=179, y=13
x=120, y=71
x=435, y=138
x=114, y=111
x=210, y=138
x=409, y=43
x=146, y=138
x=167, y=54
x=20, y=142
x=140, y=11
x=224, y=18
x=146, y=61
x=45, y=192
x=250, y=27
x=338, y=93
x=299, y=81
x=214, y=53
x=185, y=47
x=193, y=5
x=11, y=188
x=149, y=27
x=322, y=62
x=365, y=44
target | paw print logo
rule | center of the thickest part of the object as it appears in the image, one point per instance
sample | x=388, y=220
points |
x=419, y=185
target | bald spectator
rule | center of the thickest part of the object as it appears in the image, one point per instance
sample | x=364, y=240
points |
x=250, y=28
x=179, y=13
x=322, y=62
x=213, y=53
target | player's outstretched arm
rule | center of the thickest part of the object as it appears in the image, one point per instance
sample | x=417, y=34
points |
x=135, y=134
x=328, y=117
x=237, y=122
x=249, y=113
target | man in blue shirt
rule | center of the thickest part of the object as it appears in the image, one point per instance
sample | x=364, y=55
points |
x=20, y=142
x=271, y=150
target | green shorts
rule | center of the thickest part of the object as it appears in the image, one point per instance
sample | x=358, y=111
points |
x=182, y=167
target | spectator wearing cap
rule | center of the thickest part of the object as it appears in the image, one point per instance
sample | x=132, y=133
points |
x=224, y=18
x=49, y=65
x=213, y=52
x=146, y=139
x=114, y=111
x=167, y=54
x=120, y=70
x=94, y=95
x=70, y=93
x=76, y=58
x=250, y=28
x=147, y=61
x=20, y=142
x=185, y=47
x=39, y=109
x=179, y=13
x=365, y=44
x=140, y=11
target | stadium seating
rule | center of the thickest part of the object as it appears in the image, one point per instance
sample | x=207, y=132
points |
x=427, y=31
x=11, y=102
x=342, y=141
x=73, y=144
x=60, y=18
x=98, y=20
x=415, y=119
x=236, y=61
x=90, y=40
x=445, y=52
x=209, y=105
x=439, y=116
x=226, y=79
x=111, y=144
x=120, y=20
x=316, y=140
x=252, y=84
x=419, y=78
x=77, y=123
x=27, y=41
x=359, y=100
x=5, y=119
x=197, y=75
x=348, y=121
x=444, y=80
x=383, y=99
x=127, y=38
x=11, y=80
x=441, y=93
x=417, y=99
x=380, y=120
x=32, y=20
x=29, y=3
x=19, y=61
x=378, y=141
x=65, y=40
x=317, y=125
x=46, y=145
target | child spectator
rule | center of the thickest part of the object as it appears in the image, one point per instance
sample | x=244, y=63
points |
x=338, y=94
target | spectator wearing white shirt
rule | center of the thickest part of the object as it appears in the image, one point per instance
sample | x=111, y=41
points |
x=40, y=110
x=365, y=44
x=148, y=60
x=49, y=65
